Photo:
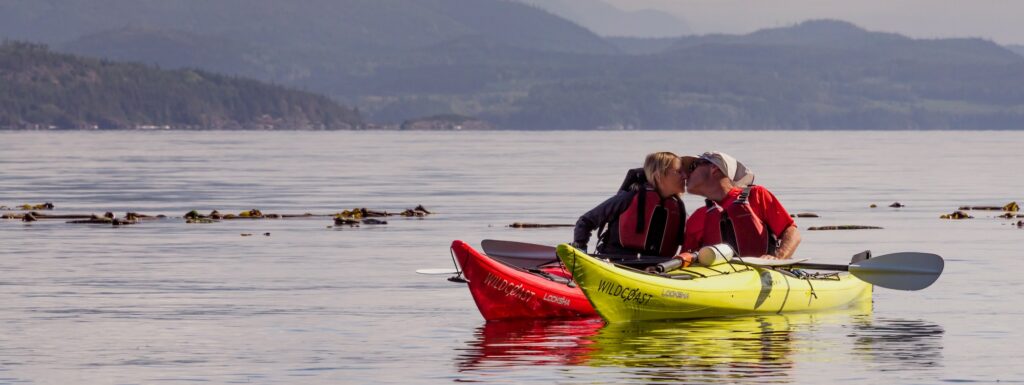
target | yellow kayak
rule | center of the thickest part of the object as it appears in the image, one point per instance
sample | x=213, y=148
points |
x=622, y=294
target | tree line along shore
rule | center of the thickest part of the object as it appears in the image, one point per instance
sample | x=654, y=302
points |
x=40, y=89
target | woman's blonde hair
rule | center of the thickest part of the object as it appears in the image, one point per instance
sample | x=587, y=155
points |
x=656, y=164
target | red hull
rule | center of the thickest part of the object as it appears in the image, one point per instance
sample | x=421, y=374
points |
x=504, y=292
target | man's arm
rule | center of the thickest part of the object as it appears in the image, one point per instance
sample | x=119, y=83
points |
x=787, y=246
x=776, y=217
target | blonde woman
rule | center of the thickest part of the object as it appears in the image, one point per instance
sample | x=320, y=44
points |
x=647, y=216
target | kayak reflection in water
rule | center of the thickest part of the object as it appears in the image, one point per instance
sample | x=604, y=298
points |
x=646, y=216
x=746, y=216
x=525, y=342
x=704, y=351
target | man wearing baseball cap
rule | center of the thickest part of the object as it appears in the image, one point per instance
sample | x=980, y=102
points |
x=737, y=212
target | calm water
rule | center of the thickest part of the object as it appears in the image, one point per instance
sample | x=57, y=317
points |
x=166, y=302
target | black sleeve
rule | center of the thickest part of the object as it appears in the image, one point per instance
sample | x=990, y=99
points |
x=635, y=177
x=602, y=214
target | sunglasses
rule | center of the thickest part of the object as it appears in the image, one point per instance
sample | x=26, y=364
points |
x=695, y=164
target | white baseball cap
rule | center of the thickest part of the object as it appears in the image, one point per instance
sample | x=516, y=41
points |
x=739, y=174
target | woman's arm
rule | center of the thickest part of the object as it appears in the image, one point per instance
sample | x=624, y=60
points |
x=605, y=212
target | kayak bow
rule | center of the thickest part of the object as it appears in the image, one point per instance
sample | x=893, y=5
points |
x=504, y=291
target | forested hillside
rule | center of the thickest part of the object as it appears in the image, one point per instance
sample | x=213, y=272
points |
x=520, y=67
x=643, y=45
x=44, y=90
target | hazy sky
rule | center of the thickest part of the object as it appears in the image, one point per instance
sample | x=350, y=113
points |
x=998, y=20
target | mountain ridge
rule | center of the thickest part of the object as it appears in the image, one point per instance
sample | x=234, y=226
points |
x=42, y=89
x=824, y=74
x=1018, y=49
x=356, y=25
x=608, y=20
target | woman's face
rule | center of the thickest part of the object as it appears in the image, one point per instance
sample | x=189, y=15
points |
x=673, y=180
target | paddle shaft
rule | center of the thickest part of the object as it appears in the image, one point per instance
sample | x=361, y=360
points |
x=821, y=266
x=901, y=271
x=677, y=263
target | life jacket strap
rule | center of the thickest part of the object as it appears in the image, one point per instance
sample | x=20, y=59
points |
x=681, y=232
x=743, y=195
x=730, y=236
x=726, y=230
x=642, y=208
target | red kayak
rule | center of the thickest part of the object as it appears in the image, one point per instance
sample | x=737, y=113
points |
x=504, y=291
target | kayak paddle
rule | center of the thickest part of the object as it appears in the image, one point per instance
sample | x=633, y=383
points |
x=531, y=255
x=899, y=271
x=436, y=271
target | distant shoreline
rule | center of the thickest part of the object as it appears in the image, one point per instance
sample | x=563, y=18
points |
x=396, y=129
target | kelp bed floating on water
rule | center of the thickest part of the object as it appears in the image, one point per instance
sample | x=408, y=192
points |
x=364, y=216
x=843, y=227
x=1010, y=212
x=351, y=218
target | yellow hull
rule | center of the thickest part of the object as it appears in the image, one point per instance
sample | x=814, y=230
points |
x=622, y=294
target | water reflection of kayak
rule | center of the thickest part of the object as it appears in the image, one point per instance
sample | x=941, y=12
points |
x=527, y=342
x=710, y=350
x=715, y=350
x=621, y=294
x=725, y=350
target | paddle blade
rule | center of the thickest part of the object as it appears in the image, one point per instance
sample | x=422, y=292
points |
x=900, y=271
x=530, y=255
x=523, y=249
x=520, y=254
x=436, y=271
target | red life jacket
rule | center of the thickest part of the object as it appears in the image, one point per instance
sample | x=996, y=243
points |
x=652, y=225
x=738, y=225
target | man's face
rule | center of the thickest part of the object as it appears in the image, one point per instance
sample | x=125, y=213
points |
x=698, y=176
